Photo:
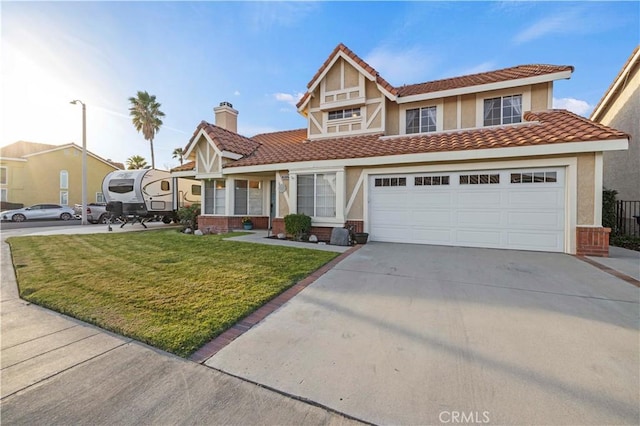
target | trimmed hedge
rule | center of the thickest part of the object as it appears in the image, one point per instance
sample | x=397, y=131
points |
x=297, y=225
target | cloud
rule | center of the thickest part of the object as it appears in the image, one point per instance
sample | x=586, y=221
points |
x=266, y=15
x=577, y=106
x=236, y=93
x=568, y=21
x=291, y=99
x=402, y=66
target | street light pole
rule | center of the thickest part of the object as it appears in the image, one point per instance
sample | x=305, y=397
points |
x=84, y=160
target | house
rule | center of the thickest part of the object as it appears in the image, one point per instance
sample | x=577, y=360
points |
x=479, y=160
x=620, y=108
x=33, y=173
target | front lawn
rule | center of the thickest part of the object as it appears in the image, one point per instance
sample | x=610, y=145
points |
x=170, y=290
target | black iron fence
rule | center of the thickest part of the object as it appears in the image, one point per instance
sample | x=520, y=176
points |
x=626, y=222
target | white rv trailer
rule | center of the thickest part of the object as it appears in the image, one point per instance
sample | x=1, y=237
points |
x=150, y=192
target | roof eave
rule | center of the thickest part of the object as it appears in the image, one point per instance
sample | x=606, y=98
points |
x=605, y=101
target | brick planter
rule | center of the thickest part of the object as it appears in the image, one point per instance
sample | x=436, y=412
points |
x=592, y=241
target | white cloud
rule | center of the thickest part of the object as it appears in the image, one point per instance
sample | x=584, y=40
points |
x=577, y=106
x=402, y=66
x=291, y=99
x=236, y=93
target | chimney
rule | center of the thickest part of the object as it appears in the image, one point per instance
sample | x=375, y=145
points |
x=226, y=117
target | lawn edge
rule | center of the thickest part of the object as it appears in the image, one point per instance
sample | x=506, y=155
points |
x=245, y=324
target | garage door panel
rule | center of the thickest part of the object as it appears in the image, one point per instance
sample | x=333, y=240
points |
x=478, y=238
x=529, y=219
x=479, y=218
x=536, y=198
x=431, y=218
x=548, y=241
x=512, y=214
x=478, y=199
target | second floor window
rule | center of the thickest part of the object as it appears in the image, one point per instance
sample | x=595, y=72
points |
x=503, y=110
x=344, y=113
x=421, y=120
x=64, y=179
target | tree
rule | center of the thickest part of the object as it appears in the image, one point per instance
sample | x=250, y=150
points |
x=136, y=162
x=145, y=114
x=179, y=154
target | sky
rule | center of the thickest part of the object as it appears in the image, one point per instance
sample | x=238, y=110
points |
x=260, y=56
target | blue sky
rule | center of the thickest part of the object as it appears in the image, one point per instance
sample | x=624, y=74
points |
x=260, y=56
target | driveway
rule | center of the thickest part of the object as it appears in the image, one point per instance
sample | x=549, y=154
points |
x=408, y=334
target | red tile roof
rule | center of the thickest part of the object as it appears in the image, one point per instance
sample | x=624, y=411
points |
x=224, y=139
x=539, y=128
x=506, y=74
x=188, y=166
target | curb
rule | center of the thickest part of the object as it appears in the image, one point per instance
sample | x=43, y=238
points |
x=611, y=271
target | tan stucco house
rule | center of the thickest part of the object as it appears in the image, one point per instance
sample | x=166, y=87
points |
x=479, y=160
x=620, y=108
x=32, y=173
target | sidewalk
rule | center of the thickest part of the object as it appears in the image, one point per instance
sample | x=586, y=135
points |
x=620, y=260
x=55, y=369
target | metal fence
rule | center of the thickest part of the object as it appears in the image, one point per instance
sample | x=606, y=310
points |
x=626, y=223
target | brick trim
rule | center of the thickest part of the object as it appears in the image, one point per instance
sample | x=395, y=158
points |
x=246, y=323
x=611, y=271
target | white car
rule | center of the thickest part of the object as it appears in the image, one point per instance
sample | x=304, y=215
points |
x=38, y=211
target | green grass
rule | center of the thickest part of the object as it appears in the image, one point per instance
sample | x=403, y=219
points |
x=170, y=290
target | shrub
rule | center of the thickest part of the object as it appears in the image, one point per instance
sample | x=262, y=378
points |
x=625, y=241
x=297, y=225
x=609, y=209
x=188, y=216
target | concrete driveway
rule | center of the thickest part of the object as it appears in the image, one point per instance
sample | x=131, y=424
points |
x=407, y=334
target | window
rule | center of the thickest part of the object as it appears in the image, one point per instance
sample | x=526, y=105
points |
x=64, y=198
x=248, y=197
x=431, y=180
x=420, y=120
x=394, y=181
x=214, y=197
x=3, y=194
x=164, y=185
x=100, y=197
x=196, y=189
x=503, y=110
x=3, y=175
x=534, y=177
x=64, y=179
x=317, y=194
x=484, y=179
x=121, y=186
x=344, y=113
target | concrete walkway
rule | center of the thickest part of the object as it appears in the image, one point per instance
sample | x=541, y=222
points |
x=56, y=370
x=621, y=260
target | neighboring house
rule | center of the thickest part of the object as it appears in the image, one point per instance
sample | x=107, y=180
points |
x=34, y=173
x=479, y=160
x=620, y=108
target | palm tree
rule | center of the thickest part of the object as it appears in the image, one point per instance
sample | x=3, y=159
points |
x=136, y=162
x=179, y=154
x=145, y=114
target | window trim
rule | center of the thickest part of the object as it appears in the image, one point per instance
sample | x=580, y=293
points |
x=100, y=198
x=315, y=174
x=439, y=104
x=343, y=111
x=6, y=175
x=248, y=212
x=480, y=98
x=420, y=123
x=66, y=178
x=66, y=194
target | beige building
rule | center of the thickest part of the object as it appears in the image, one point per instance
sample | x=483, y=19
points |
x=478, y=160
x=620, y=108
x=32, y=173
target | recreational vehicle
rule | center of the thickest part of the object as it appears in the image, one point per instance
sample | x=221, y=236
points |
x=150, y=192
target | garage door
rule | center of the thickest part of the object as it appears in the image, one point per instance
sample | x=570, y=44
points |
x=510, y=209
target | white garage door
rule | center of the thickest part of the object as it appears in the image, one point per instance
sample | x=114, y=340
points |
x=511, y=209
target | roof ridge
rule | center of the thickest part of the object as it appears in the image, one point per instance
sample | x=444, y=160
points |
x=278, y=131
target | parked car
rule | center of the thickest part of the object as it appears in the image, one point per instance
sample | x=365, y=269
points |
x=38, y=211
x=96, y=212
